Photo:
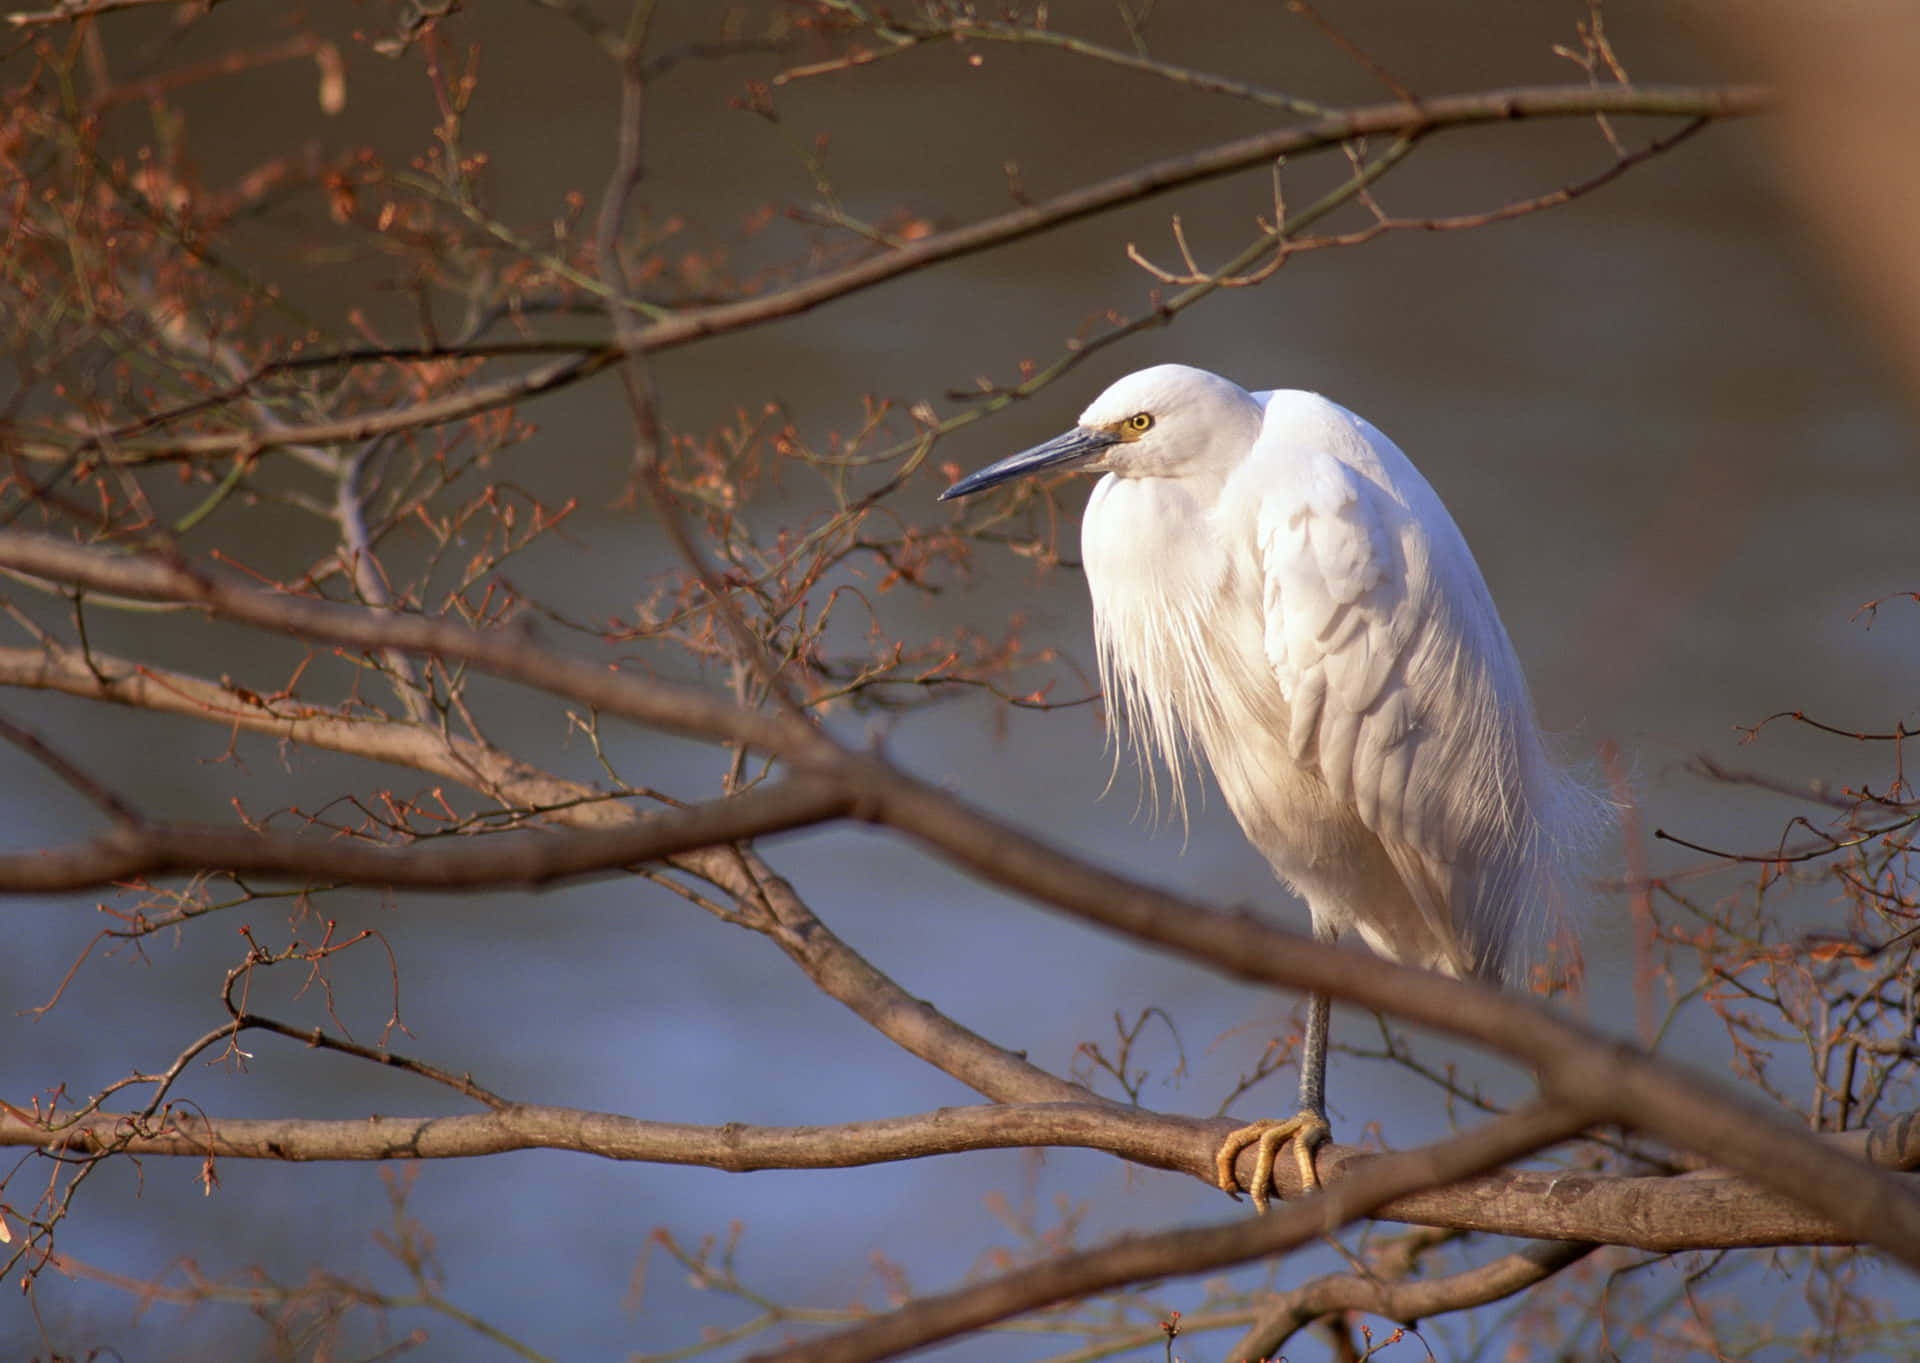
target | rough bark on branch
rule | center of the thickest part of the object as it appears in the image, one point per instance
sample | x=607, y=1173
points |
x=1576, y=1064
x=1197, y=1250
x=1708, y=1210
x=829, y=962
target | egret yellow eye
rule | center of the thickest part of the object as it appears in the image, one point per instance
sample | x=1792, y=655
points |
x=1140, y=423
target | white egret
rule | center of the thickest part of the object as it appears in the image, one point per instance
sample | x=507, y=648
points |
x=1276, y=587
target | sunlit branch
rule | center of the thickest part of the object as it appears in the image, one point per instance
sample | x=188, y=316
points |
x=1183, y=1252
x=1573, y=1062
x=1441, y=112
x=69, y=10
x=1401, y=120
x=828, y=961
x=667, y=705
x=1697, y=1211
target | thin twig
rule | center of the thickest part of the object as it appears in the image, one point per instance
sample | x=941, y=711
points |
x=1571, y=1058
x=108, y=801
x=1437, y=114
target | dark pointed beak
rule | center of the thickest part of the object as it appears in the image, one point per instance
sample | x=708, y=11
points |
x=1070, y=451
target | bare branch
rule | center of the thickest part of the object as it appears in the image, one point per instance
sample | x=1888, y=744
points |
x=1399, y=119
x=349, y=429
x=515, y=858
x=664, y=705
x=961, y=26
x=846, y=976
x=1570, y=1060
x=833, y=966
x=1573, y=1061
x=1190, y=1251
x=1353, y=50
x=1439, y=113
x=229, y=705
x=1693, y=1211
x=736, y=1148
x=68, y=11
x=110, y=803
x=1406, y=1302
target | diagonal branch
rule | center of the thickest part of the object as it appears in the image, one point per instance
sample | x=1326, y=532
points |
x=1406, y=1302
x=1575, y=1063
x=913, y=1024
x=674, y=707
x=1397, y=120
x=110, y=802
x=68, y=11
x=833, y=966
x=135, y=851
x=1437, y=114
x=1197, y=1250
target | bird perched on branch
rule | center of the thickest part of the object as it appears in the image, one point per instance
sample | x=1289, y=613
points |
x=1276, y=587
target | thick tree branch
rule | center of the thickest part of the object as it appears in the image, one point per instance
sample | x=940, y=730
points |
x=1575, y=1063
x=1572, y=1061
x=828, y=961
x=664, y=705
x=1693, y=1211
x=1199, y=1250
x=420, y=747
x=735, y=1148
x=912, y=1024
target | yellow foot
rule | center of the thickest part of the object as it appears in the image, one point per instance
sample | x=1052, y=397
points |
x=1307, y=1130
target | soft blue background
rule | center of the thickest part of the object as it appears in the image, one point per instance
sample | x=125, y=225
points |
x=1679, y=467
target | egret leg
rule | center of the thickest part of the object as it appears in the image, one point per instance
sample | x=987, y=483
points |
x=1307, y=1128
x=1313, y=1056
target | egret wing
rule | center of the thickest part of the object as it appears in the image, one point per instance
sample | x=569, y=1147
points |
x=1397, y=674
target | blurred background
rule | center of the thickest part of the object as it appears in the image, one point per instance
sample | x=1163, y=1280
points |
x=1680, y=467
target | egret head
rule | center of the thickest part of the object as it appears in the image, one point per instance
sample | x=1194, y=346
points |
x=1169, y=421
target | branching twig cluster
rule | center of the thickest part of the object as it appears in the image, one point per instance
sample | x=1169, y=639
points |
x=169, y=401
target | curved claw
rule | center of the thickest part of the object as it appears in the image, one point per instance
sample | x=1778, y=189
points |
x=1307, y=1130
